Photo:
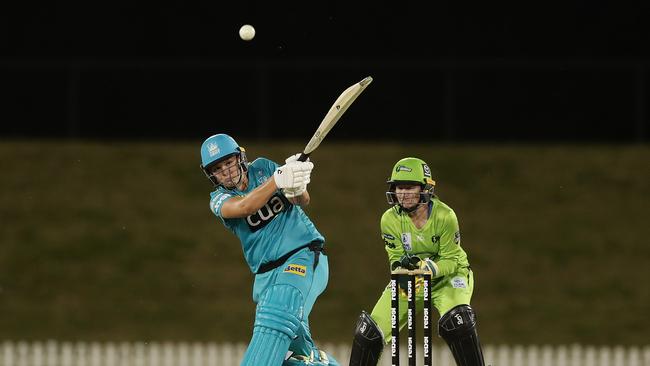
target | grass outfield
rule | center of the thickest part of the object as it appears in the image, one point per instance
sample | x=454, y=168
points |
x=115, y=241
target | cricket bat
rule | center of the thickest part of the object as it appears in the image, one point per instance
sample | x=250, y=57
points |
x=335, y=112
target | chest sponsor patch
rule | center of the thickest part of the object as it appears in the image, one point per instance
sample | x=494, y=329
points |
x=274, y=207
x=406, y=241
x=296, y=269
x=458, y=282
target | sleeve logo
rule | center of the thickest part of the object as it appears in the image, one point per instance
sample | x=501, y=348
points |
x=217, y=201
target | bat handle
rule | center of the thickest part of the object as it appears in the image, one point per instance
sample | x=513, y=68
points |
x=303, y=157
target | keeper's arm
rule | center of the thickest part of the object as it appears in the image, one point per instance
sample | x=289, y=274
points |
x=449, y=253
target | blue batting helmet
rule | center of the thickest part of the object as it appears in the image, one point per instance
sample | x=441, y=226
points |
x=219, y=147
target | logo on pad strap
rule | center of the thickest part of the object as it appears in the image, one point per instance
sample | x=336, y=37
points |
x=296, y=269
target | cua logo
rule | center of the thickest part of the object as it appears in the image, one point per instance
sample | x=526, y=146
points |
x=265, y=214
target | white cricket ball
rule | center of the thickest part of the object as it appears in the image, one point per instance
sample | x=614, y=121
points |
x=247, y=32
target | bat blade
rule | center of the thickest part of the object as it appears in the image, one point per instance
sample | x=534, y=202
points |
x=335, y=112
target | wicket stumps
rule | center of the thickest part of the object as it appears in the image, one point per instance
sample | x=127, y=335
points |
x=411, y=314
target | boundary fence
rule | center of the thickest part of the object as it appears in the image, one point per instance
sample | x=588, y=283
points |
x=55, y=353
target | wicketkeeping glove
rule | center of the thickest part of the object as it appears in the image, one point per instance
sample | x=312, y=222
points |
x=413, y=262
x=429, y=266
x=409, y=261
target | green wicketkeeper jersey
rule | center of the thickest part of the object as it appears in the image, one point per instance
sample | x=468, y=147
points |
x=438, y=239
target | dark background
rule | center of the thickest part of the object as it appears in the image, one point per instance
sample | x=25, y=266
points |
x=450, y=72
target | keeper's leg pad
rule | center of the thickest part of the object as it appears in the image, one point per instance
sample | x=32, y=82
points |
x=458, y=328
x=368, y=342
x=277, y=320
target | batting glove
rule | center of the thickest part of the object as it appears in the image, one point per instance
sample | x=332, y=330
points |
x=293, y=175
x=297, y=192
x=294, y=192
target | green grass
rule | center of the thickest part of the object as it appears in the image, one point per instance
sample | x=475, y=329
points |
x=115, y=241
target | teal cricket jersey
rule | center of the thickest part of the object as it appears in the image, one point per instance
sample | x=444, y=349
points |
x=275, y=229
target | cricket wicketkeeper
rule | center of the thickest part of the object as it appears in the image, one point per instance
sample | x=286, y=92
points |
x=421, y=232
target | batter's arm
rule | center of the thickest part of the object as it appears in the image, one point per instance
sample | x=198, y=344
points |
x=243, y=206
x=303, y=200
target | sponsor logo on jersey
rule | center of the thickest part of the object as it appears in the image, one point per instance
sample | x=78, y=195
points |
x=457, y=237
x=267, y=213
x=406, y=241
x=388, y=236
x=458, y=282
x=296, y=269
x=402, y=168
x=261, y=177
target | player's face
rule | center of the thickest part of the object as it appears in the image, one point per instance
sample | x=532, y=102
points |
x=227, y=171
x=408, y=195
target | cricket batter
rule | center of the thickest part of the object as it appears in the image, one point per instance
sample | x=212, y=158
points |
x=421, y=232
x=260, y=202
